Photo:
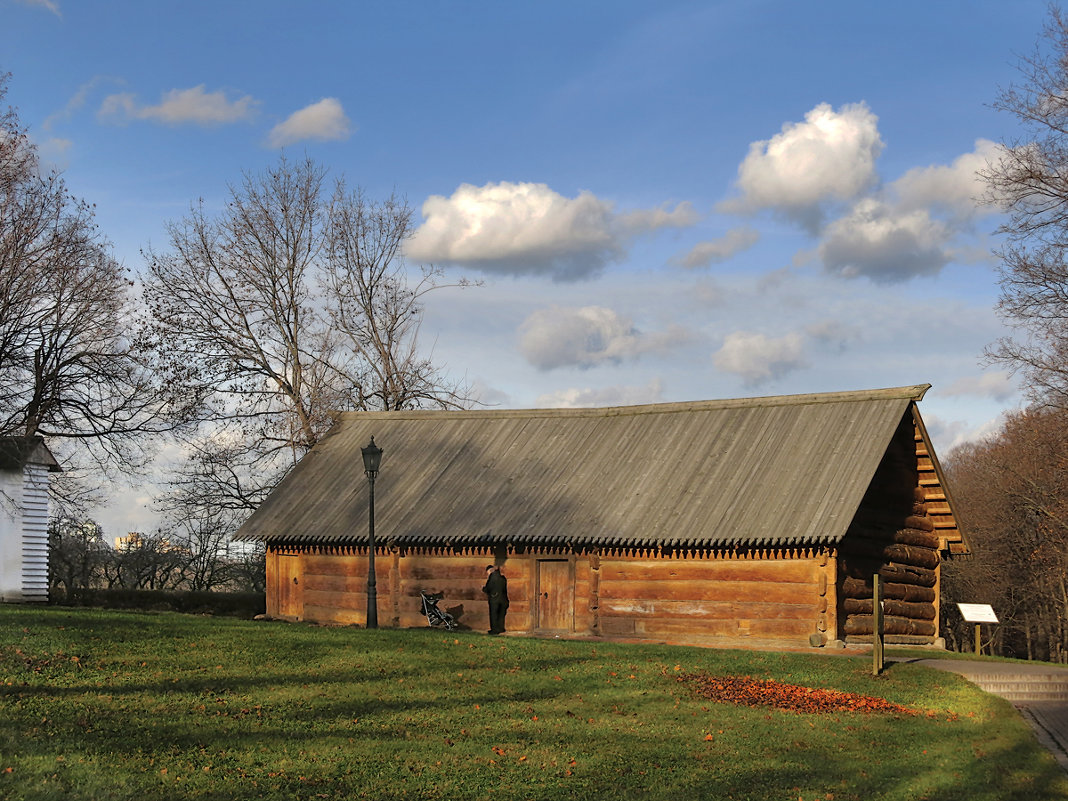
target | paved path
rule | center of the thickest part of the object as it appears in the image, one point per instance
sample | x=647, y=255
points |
x=1038, y=691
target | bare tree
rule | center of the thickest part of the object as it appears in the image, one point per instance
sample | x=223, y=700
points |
x=149, y=562
x=77, y=556
x=1029, y=180
x=200, y=528
x=290, y=304
x=71, y=371
x=248, y=567
x=372, y=304
x=1012, y=494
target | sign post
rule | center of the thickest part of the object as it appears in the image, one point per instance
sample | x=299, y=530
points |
x=977, y=614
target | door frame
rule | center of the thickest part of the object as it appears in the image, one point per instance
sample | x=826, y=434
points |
x=289, y=570
x=566, y=594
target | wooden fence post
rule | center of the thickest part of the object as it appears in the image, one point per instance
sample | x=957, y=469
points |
x=877, y=626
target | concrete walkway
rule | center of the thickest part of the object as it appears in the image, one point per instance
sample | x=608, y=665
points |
x=1038, y=691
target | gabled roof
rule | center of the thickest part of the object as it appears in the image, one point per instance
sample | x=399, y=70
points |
x=17, y=452
x=757, y=472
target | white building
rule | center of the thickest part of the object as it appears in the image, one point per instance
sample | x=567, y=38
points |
x=25, y=463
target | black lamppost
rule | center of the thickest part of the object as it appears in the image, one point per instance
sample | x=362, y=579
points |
x=372, y=458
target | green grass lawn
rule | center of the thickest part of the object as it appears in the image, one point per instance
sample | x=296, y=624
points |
x=101, y=705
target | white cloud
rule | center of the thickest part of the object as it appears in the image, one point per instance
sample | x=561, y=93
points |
x=653, y=392
x=996, y=385
x=77, y=100
x=48, y=5
x=585, y=337
x=641, y=221
x=953, y=188
x=485, y=394
x=719, y=250
x=885, y=244
x=758, y=358
x=912, y=227
x=181, y=106
x=322, y=121
x=828, y=157
x=949, y=434
x=833, y=333
x=527, y=228
x=54, y=150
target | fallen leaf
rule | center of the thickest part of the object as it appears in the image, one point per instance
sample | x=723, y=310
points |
x=747, y=691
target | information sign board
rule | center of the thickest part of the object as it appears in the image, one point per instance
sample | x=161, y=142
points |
x=977, y=613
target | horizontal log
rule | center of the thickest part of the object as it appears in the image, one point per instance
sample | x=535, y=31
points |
x=923, y=539
x=906, y=536
x=916, y=611
x=455, y=591
x=697, y=612
x=901, y=574
x=785, y=570
x=709, y=590
x=915, y=555
x=328, y=583
x=891, y=518
x=719, y=629
x=892, y=552
x=904, y=516
x=862, y=588
x=341, y=601
x=921, y=522
x=865, y=624
x=428, y=568
x=895, y=639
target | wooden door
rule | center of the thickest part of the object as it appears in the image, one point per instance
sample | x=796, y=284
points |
x=555, y=595
x=290, y=586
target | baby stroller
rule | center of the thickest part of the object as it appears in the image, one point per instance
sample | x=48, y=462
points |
x=434, y=616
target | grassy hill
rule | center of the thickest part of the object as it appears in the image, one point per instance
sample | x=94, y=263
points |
x=102, y=705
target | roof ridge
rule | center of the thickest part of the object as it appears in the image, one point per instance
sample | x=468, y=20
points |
x=914, y=392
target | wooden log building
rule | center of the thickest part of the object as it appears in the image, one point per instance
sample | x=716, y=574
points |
x=758, y=519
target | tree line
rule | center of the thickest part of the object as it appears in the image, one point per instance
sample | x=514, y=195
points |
x=1011, y=489
x=239, y=341
x=1011, y=492
x=83, y=559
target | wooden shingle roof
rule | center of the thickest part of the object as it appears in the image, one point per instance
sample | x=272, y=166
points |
x=755, y=472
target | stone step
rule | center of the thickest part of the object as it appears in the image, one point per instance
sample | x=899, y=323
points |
x=1032, y=687
x=1029, y=696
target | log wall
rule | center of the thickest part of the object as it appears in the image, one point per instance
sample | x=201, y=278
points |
x=766, y=595
x=893, y=535
x=694, y=597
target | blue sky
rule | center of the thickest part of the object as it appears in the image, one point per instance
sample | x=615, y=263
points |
x=663, y=201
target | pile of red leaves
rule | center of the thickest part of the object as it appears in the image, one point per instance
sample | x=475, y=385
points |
x=754, y=692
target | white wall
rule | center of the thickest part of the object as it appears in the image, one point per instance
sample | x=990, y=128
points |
x=11, y=535
x=24, y=534
x=35, y=534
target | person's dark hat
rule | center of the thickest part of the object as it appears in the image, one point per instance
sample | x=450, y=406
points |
x=489, y=567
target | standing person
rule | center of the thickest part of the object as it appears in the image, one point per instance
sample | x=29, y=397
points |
x=496, y=590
